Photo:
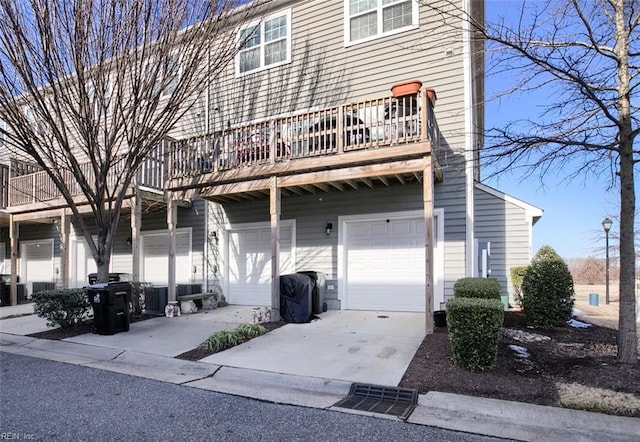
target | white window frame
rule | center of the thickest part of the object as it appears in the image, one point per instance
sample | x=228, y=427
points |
x=178, y=59
x=91, y=92
x=415, y=23
x=286, y=13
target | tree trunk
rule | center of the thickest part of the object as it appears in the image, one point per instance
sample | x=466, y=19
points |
x=627, y=327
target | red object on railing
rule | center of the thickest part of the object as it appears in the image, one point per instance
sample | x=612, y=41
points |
x=406, y=88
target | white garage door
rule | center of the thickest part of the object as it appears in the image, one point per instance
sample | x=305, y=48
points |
x=385, y=265
x=155, y=257
x=36, y=261
x=249, y=252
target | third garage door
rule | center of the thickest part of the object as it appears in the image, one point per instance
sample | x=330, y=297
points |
x=385, y=265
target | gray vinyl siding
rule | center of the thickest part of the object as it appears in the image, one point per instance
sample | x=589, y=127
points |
x=507, y=226
x=192, y=217
x=323, y=72
x=317, y=251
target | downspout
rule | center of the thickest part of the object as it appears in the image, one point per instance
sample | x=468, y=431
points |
x=469, y=140
x=207, y=129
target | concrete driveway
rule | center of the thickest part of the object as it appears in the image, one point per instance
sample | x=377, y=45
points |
x=355, y=346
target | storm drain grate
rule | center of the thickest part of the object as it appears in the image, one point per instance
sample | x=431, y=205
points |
x=380, y=399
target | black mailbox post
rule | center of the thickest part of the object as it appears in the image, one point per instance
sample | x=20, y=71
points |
x=110, y=304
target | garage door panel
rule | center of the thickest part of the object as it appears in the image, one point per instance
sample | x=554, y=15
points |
x=250, y=263
x=155, y=260
x=385, y=265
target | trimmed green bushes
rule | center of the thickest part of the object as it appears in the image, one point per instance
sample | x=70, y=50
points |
x=485, y=288
x=64, y=308
x=224, y=339
x=547, y=290
x=474, y=331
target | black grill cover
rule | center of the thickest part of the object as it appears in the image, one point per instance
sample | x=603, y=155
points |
x=295, y=297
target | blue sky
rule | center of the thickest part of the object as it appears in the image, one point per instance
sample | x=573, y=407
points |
x=574, y=210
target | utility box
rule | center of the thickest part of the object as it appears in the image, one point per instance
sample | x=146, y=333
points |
x=110, y=302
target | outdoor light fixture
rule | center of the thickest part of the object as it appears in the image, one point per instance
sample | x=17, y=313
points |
x=129, y=241
x=606, y=225
x=328, y=228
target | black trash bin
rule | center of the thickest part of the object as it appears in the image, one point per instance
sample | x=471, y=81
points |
x=319, y=282
x=110, y=302
x=295, y=298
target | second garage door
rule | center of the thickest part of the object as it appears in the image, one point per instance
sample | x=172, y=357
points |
x=385, y=264
x=249, y=257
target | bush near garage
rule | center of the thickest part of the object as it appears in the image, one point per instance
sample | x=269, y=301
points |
x=547, y=290
x=484, y=288
x=224, y=339
x=65, y=308
x=474, y=327
x=517, y=275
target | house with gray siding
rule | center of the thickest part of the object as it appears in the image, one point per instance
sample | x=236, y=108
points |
x=304, y=155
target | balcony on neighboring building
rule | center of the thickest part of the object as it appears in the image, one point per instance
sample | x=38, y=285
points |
x=30, y=189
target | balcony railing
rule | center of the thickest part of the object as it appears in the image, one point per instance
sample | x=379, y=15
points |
x=38, y=187
x=369, y=124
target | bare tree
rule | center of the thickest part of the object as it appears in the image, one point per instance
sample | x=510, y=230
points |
x=102, y=83
x=584, y=55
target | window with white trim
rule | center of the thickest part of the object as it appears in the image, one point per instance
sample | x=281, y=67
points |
x=265, y=44
x=171, y=75
x=369, y=19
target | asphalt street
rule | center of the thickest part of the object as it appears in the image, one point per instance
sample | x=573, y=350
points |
x=46, y=400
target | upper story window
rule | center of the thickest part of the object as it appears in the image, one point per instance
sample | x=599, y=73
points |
x=370, y=19
x=171, y=75
x=265, y=44
x=3, y=127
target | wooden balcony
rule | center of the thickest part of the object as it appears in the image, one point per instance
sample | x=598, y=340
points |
x=382, y=139
x=29, y=191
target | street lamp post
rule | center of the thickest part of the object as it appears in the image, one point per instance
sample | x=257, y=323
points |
x=606, y=225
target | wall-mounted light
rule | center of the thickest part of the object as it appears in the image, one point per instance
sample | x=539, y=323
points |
x=328, y=228
x=129, y=241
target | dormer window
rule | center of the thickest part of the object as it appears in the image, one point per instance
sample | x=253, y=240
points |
x=369, y=19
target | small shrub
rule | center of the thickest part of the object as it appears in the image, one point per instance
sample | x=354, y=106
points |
x=224, y=339
x=517, y=275
x=547, y=290
x=474, y=331
x=64, y=308
x=485, y=288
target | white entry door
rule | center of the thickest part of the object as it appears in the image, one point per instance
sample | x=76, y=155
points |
x=155, y=257
x=382, y=263
x=249, y=257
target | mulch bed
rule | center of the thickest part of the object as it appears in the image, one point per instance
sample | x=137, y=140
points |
x=573, y=355
x=200, y=353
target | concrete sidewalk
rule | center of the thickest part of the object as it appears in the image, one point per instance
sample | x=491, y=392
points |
x=512, y=420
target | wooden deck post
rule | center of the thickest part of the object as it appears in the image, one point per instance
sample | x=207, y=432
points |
x=14, y=231
x=65, y=227
x=274, y=210
x=427, y=192
x=136, y=222
x=172, y=220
